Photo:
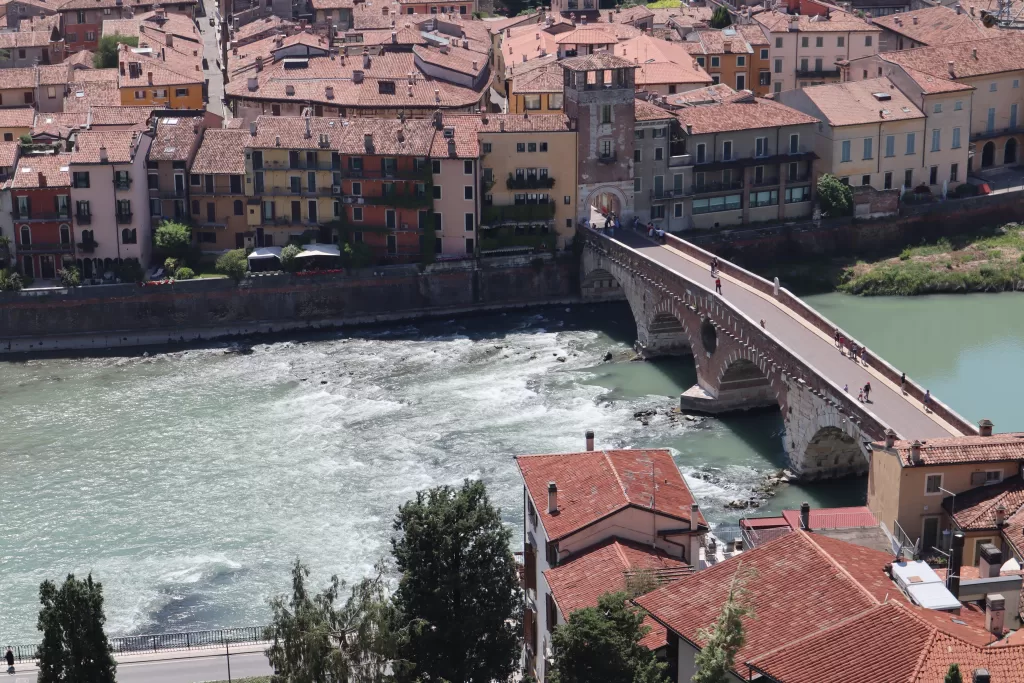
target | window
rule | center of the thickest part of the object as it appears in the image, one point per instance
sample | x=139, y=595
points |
x=932, y=484
x=555, y=101
x=531, y=102
x=606, y=149
x=741, y=81
x=160, y=92
x=730, y=202
x=1013, y=116
x=954, y=173
x=741, y=60
x=80, y=178
x=867, y=41
x=794, y=143
x=764, y=53
x=841, y=41
x=637, y=184
x=761, y=147
x=637, y=156
x=778, y=67
x=778, y=42
x=804, y=65
x=208, y=237
x=868, y=151
x=764, y=78
x=908, y=178
x=727, y=150
x=777, y=87
x=65, y=234
x=887, y=180
x=437, y=191
x=958, y=106
x=638, y=135
x=936, y=139
x=51, y=92
x=467, y=167
x=129, y=236
x=8, y=137
x=357, y=189
x=520, y=147
x=658, y=132
x=26, y=236
x=468, y=192
x=911, y=143
x=531, y=147
x=606, y=113
x=567, y=200
x=846, y=150
x=487, y=148
x=1016, y=83
x=392, y=244
x=865, y=179
x=701, y=153
x=658, y=211
x=716, y=78
x=181, y=92
x=805, y=41
x=659, y=153
x=990, y=123
x=819, y=42
x=543, y=146
x=677, y=210
x=155, y=207
x=437, y=222
x=715, y=61
x=700, y=60
x=90, y=36
x=357, y=213
x=766, y=198
x=992, y=87
x=933, y=175
x=236, y=184
x=890, y=145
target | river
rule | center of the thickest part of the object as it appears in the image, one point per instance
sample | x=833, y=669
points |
x=188, y=481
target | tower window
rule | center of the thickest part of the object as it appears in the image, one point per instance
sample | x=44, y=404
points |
x=606, y=113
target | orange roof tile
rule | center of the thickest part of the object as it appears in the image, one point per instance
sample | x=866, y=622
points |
x=838, y=21
x=453, y=58
x=413, y=137
x=595, y=484
x=858, y=102
x=1008, y=446
x=645, y=111
x=221, y=151
x=120, y=146
x=936, y=26
x=974, y=58
x=17, y=117
x=290, y=132
x=175, y=138
x=587, y=36
x=628, y=15
x=822, y=519
x=974, y=509
x=53, y=168
x=746, y=113
x=518, y=123
x=546, y=79
x=9, y=154
x=659, y=61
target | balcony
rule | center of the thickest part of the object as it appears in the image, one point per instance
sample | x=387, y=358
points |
x=677, y=160
x=996, y=132
x=301, y=166
x=608, y=159
x=47, y=247
x=518, y=213
x=405, y=200
x=124, y=218
x=765, y=182
x=122, y=183
x=663, y=195
x=167, y=194
x=422, y=175
x=817, y=73
x=42, y=216
x=323, y=191
x=798, y=178
x=83, y=219
x=529, y=183
x=86, y=247
x=708, y=188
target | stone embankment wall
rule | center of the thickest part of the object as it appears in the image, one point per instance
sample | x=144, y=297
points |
x=130, y=315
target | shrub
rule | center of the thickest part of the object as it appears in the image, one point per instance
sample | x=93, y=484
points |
x=171, y=266
x=70, y=277
x=905, y=254
x=358, y=255
x=10, y=280
x=173, y=239
x=129, y=271
x=233, y=264
x=106, y=52
x=834, y=197
x=289, y=261
x=184, y=273
x=720, y=17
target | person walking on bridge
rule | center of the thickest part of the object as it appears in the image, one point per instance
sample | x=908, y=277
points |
x=839, y=338
x=10, y=661
x=718, y=286
x=927, y=400
x=867, y=392
x=714, y=265
x=903, y=384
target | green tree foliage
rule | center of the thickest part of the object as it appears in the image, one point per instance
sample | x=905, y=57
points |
x=233, y=264
x=834, y=197
x=953, y=674
x=720, y=17
x=106, y=54
x=718, y=656
x=173, y=239
x=315, y=641
x=70, y=277
x=184, y=273
x=358, y=255
x=10, y=280
x=289, y=262
x=459, y=589
x=130, y=270
x=602, y=645
x=74, y=647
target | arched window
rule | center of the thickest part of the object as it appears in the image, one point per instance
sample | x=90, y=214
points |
x=239, y=209
x=26, y=235
x=128, y=236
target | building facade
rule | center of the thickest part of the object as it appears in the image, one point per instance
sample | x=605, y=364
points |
x=217, y=176
x=41, y=202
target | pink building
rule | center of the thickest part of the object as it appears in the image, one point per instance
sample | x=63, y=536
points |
x=110, y=200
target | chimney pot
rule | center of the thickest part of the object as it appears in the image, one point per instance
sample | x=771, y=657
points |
x=805, y=516
x=552, y=498
x=890, y=438
x=590, y=432
x=950, y=65
x=985, y=427
x=915, y=21
x=103, y=154
x=990, y=559
x=995, y=611
x=1000, y=515
x=252, y=129
x=368, y=141
x=694, y=512
x=42, y=179
x=972, y=10
x=974, y=52
x=149, y=77
x=915, y=452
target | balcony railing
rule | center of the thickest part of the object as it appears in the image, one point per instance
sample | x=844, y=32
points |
x=301, y=166
x=662, y=195
x=422, y=175
x=167, y=194
x=47, y=247
x=123, y=183
x=608, y=159
x=399, y=199
x=124, y=218
x=42, y=216
x=83, y=218
x=322, y=191
x=679, y=160
x=518, y=213
x=764, y=182
x=716, y=187
x=996, y=132
x=86, y=247
x=817, y=73
x=529, y=183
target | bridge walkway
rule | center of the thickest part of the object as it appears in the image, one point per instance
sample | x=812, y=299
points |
x=902, y=413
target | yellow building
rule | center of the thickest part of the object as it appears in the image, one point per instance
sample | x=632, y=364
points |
x=293, y=176
x=15, y=122
x=536, y=90
x=529, y=180
x=930, y=488
x=160, y=77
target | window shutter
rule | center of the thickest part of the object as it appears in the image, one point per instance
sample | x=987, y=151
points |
x=552, y=613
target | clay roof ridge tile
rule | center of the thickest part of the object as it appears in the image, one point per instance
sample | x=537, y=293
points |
x=615, y=472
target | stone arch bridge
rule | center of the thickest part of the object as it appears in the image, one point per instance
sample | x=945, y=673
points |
x=756, y=346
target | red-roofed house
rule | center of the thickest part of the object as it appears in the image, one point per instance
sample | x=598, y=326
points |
x=759, y=530
x=590, y=519
x=40, y=195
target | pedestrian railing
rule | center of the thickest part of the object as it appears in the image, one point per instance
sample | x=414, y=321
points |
x=164, y=642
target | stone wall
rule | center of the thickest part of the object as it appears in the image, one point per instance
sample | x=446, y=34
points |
x=125, y=315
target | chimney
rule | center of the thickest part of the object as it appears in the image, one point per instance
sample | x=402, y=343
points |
x=149, y=77
x=949, y=66
x=357, y=76
x=972, y=10
x=501, y=125
x=805, y=516
x=42, y=179
x=915, y=21
x=366, y=61
x=1000, y=515
x=890, y=438
x=995, y=610
x=990, y=560
x=437, y=95
x=584, y=21
x=329, y=92
x=956, y=555
x=277, y=141
x=694, y=511
x=590, y=439
x=368, y=141
x=103, y=154
x=727, y=46
x=958, y=10
x=169, y=40
x=394, y=36
x=974, y=52
x=259, y=64
x=309, y=133
x=552, y=498
x=475, y=63
x=689, y=129
x=981, y=675
x=254, y=84
x=438, y=120
x=915, y=452
x=451, y=149
x=252, y=129
x=985, y=428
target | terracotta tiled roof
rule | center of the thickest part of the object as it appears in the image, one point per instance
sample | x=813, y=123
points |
x=370, y=14
x=749, y=113
x=406, y=35
x=798, y=575
x=753, y=34
x=169, y=68
x=72, y=5
x=18, y=78
x=94, y=75
x=532, y=42
x=464, y=137
x=499, y=25
x=974, y=509
x=24, y=39
x=272, y=23
x=9, y=154
x=659, y=61
x=595, y=484
x=822, y=519
x=587, y=36
x=975, y=58
x=53, y=74
x=932, y=85
x=120, y=146
x=17, y=117
x=119, y=116
x=663, y=14
x=855, y=102
x=289, y=132
x=598, y=60
x=332, y=4
x=645, y=111
x=1003, y=663
x=963, y=449
x=712, y=93
x=838, y=21
x=547, y=79
x=59, y=125
x=628, y=15
x=222, y=151
x=518, y=123
x=454, y=59
x=936, y=26
x=82, y=97
x=715, y=42
x=414, y=137
x=82, y=58
x=175, y=138
x=53, y=167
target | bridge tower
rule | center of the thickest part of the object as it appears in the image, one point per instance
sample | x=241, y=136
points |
x=599, y=101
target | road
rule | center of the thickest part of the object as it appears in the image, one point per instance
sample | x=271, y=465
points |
x=191, y=669
x=212, y=52
x=905, y=415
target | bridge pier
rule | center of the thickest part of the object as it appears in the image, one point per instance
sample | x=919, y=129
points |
x=821, y=440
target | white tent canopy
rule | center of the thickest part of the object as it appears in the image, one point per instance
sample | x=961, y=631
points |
x=265, y=252
x=315, y=249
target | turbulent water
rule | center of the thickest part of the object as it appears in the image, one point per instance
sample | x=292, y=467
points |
x=188, y=481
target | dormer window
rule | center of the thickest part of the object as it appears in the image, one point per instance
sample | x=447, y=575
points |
x=386, y=87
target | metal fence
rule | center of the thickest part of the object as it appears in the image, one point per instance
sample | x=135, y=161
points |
x=164, y=642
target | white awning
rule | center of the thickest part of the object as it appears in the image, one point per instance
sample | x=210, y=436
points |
x=315, y=249
x=265, y=252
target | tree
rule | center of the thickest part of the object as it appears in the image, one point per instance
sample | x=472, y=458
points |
x=358, y=255
x=106, y=53
x=834, y=197
x=74, y=647
x=953, y=674
x=288, y=258
x=720, y=17
x=10, y=280
x=70, y=277
x=130, y=270
x=173, y=239
x=602, y=645
x=459, y=589
x=312, y=641
x=718, y=656
x=233, y=263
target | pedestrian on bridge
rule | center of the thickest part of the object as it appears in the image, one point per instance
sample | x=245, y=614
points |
x=903, y=383
x=867, y=392
x=718, y=286
x=863, y=356
x=839, y=338
x=714, y=265
x=10, y=661
x=927, y=400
